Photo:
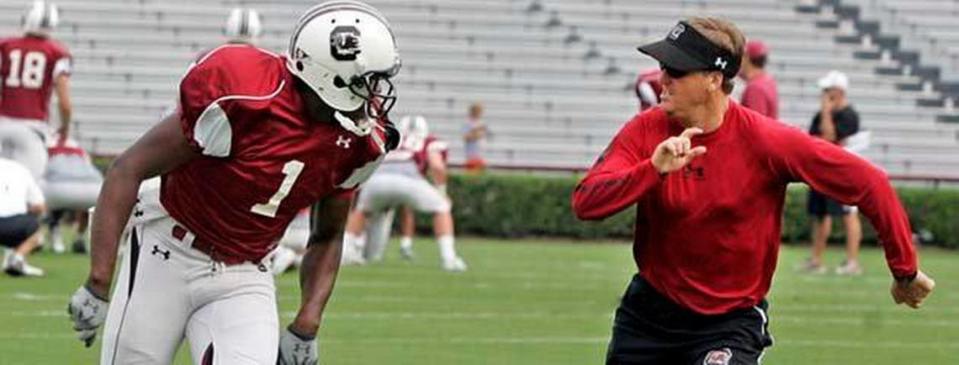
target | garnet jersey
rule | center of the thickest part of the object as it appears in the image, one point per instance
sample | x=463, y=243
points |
x=431, y=145
x=28, y=67
x=262, y=159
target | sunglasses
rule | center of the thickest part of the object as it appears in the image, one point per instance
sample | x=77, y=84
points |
x=674, y=73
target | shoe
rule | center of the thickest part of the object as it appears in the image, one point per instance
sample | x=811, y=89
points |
x=849, y=268
x=79, y=247
x=59, y=247
x=455, y=265
x=15, y=265
x=6, y=259
x=282, y=260
x=57, y=241
x=406, y=253
x=810, y=267
x=352, y=256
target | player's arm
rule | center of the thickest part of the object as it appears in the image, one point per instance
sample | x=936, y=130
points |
x=843, y=176
x=161, y=149
x=62, y=87
x=320, y=263
x=436, y=168
x=622, y=174
x=827, y=126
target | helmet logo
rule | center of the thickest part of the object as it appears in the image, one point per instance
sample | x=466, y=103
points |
x=345, y=43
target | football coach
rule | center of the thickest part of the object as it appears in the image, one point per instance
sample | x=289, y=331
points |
x=708, y=178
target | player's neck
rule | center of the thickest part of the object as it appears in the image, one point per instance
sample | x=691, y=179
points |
x=709, y=116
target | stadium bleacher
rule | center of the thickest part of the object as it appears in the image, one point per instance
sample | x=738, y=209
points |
x=551, y=100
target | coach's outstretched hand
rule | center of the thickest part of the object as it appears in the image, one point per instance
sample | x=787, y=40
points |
x=913, y=292
x=675, y=152
x=87, y=311
x=297, y=350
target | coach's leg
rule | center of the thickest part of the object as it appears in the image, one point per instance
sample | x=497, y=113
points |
x=739, y=340
x=149, y=306
x=239, y=326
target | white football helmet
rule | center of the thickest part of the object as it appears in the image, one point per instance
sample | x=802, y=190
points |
x=41, y=18
x=345, y=51
x=414, y=131
x=243, y=26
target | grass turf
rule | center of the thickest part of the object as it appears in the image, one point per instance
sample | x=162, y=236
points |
x=531, y=302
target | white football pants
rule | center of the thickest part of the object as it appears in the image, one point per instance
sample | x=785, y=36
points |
x=167, y=290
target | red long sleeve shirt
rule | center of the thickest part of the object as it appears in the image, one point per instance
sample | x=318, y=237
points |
x=707, y=236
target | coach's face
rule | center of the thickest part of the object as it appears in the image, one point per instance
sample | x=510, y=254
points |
x=683, y=92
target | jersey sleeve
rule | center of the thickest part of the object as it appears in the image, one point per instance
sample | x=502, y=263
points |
x=204, y=122
x=622, y=175
x=849, y=179
x=62, y=62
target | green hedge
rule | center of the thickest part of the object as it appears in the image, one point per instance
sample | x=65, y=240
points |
x=518, y=205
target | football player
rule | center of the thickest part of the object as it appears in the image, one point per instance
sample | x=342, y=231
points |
x=401, y=182
x=71, y=185
x=33, y=67
x=256, y=138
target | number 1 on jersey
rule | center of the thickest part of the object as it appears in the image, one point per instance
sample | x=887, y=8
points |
x=292, y=171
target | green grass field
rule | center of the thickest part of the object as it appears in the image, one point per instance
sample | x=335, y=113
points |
x=531, y=302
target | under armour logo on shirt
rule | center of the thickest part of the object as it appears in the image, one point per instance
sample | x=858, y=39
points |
x=343, y=142
x=720, y=62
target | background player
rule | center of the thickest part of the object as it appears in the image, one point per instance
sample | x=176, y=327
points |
x=400, y=182
x=33, y=67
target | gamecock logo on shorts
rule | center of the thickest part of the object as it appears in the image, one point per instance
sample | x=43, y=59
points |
x=718, y=357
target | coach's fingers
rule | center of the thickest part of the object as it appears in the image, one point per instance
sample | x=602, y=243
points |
x=691, y=132
x=671, y=147
x=684, y=145
x=697, y=151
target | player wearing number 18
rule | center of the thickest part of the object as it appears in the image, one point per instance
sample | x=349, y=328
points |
x=256, y=138
x=32, y=67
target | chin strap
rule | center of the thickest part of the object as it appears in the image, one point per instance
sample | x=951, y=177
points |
x=362, y=128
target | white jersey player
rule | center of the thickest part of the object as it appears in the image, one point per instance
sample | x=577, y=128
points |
x=399, y=182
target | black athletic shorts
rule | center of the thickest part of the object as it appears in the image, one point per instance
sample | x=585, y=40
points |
x=820, y=205
x=16, y=229
x=651, y=329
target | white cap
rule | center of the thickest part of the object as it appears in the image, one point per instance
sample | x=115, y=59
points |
x=834, y=79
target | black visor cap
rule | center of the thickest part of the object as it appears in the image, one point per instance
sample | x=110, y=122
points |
x=685, y=49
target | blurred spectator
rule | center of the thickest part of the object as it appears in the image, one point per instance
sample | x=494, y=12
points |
x=534, y=6
x=573, y=36
x=474, y=134
x=648, y=88
x=244, y=26
x=612, y=68
x=33, y=67
x=554, y=20
x=761, y=93
x=71, y=185
x=592, y=52
x=835, y=122
x=21, y=203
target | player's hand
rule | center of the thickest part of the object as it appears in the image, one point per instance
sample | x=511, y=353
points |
x=675, y=152
x=63, y=132
x=297, y=350
x=913, y=292
x=87, y=311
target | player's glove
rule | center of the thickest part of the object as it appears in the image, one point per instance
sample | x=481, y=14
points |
x=297, y=350
x=87, y=311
